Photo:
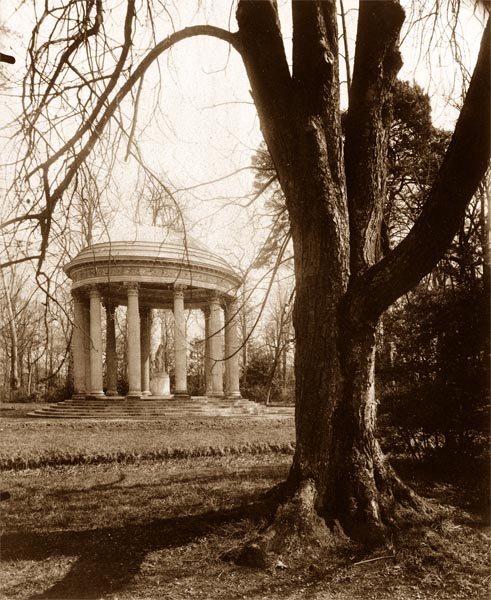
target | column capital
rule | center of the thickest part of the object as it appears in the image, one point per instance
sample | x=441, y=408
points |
x=94, y=291
x=179, y=290
x=110, y=305
x=77, y=295
x=132, y=288
x=215, y=298
x=230, y=303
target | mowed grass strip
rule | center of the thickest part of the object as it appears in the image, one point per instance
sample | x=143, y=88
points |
x=34, y=444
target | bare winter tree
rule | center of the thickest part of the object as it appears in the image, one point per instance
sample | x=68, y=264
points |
x=334, y=183
x=279, y=336
x=12, y=326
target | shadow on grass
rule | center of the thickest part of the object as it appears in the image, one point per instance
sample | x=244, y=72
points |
x=266, y=472
x=92, y=488
x=109, y=558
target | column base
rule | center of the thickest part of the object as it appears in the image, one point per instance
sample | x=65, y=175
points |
x=234, y=395
x=181, y=394
x=134, y=395
x=110, y=393
x=95, y=395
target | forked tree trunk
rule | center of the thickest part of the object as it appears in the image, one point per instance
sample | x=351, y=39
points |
x=339, y=472
x=340, y=479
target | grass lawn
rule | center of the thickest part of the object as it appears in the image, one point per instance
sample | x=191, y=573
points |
x=156, y=529
x=17, y=410
x=37, y=443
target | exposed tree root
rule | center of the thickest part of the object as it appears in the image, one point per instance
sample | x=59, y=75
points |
x=298, y=537
x=378, y=501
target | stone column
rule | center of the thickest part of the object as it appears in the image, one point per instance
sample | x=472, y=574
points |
x=87, y=343
x=111, y=357
x=216, y=354
x=78, y=346
x=208, y=361
x=146, y=323
x=95, y=344
x=181, y=384
x=232, y=374
x=134, y=350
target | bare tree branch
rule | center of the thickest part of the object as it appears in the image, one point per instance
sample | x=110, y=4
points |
x=377, y=61
x=463, y=168
x=97, y=126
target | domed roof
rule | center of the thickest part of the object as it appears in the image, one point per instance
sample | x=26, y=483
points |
x=154, y=257
x=124, y=230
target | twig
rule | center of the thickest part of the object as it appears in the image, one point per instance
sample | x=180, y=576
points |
x=360, y=562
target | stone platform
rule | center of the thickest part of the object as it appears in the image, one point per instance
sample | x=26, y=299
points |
x=152, y=408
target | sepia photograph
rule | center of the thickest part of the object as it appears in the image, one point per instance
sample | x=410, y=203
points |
x=245, y=299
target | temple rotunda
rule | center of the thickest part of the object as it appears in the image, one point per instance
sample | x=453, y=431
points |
x=155, y=269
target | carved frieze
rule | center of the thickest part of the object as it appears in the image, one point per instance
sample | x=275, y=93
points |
x=156, y=279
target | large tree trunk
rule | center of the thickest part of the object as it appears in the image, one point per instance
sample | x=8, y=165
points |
x=338, y=471
x=340, y=480
x=370, y=496
x=340, y=483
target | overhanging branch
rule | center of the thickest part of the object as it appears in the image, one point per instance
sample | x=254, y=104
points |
x=263, y=53
x=164, y=45
x=98, y=128
x=462, y=170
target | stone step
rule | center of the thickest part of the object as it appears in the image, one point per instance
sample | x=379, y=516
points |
x=151, y=408
x=126, y=406
x=114, y=412
x=129, y=417
x=159, y=404
x=140, y=411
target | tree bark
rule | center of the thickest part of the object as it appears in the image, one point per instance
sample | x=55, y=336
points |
x=377, y=62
